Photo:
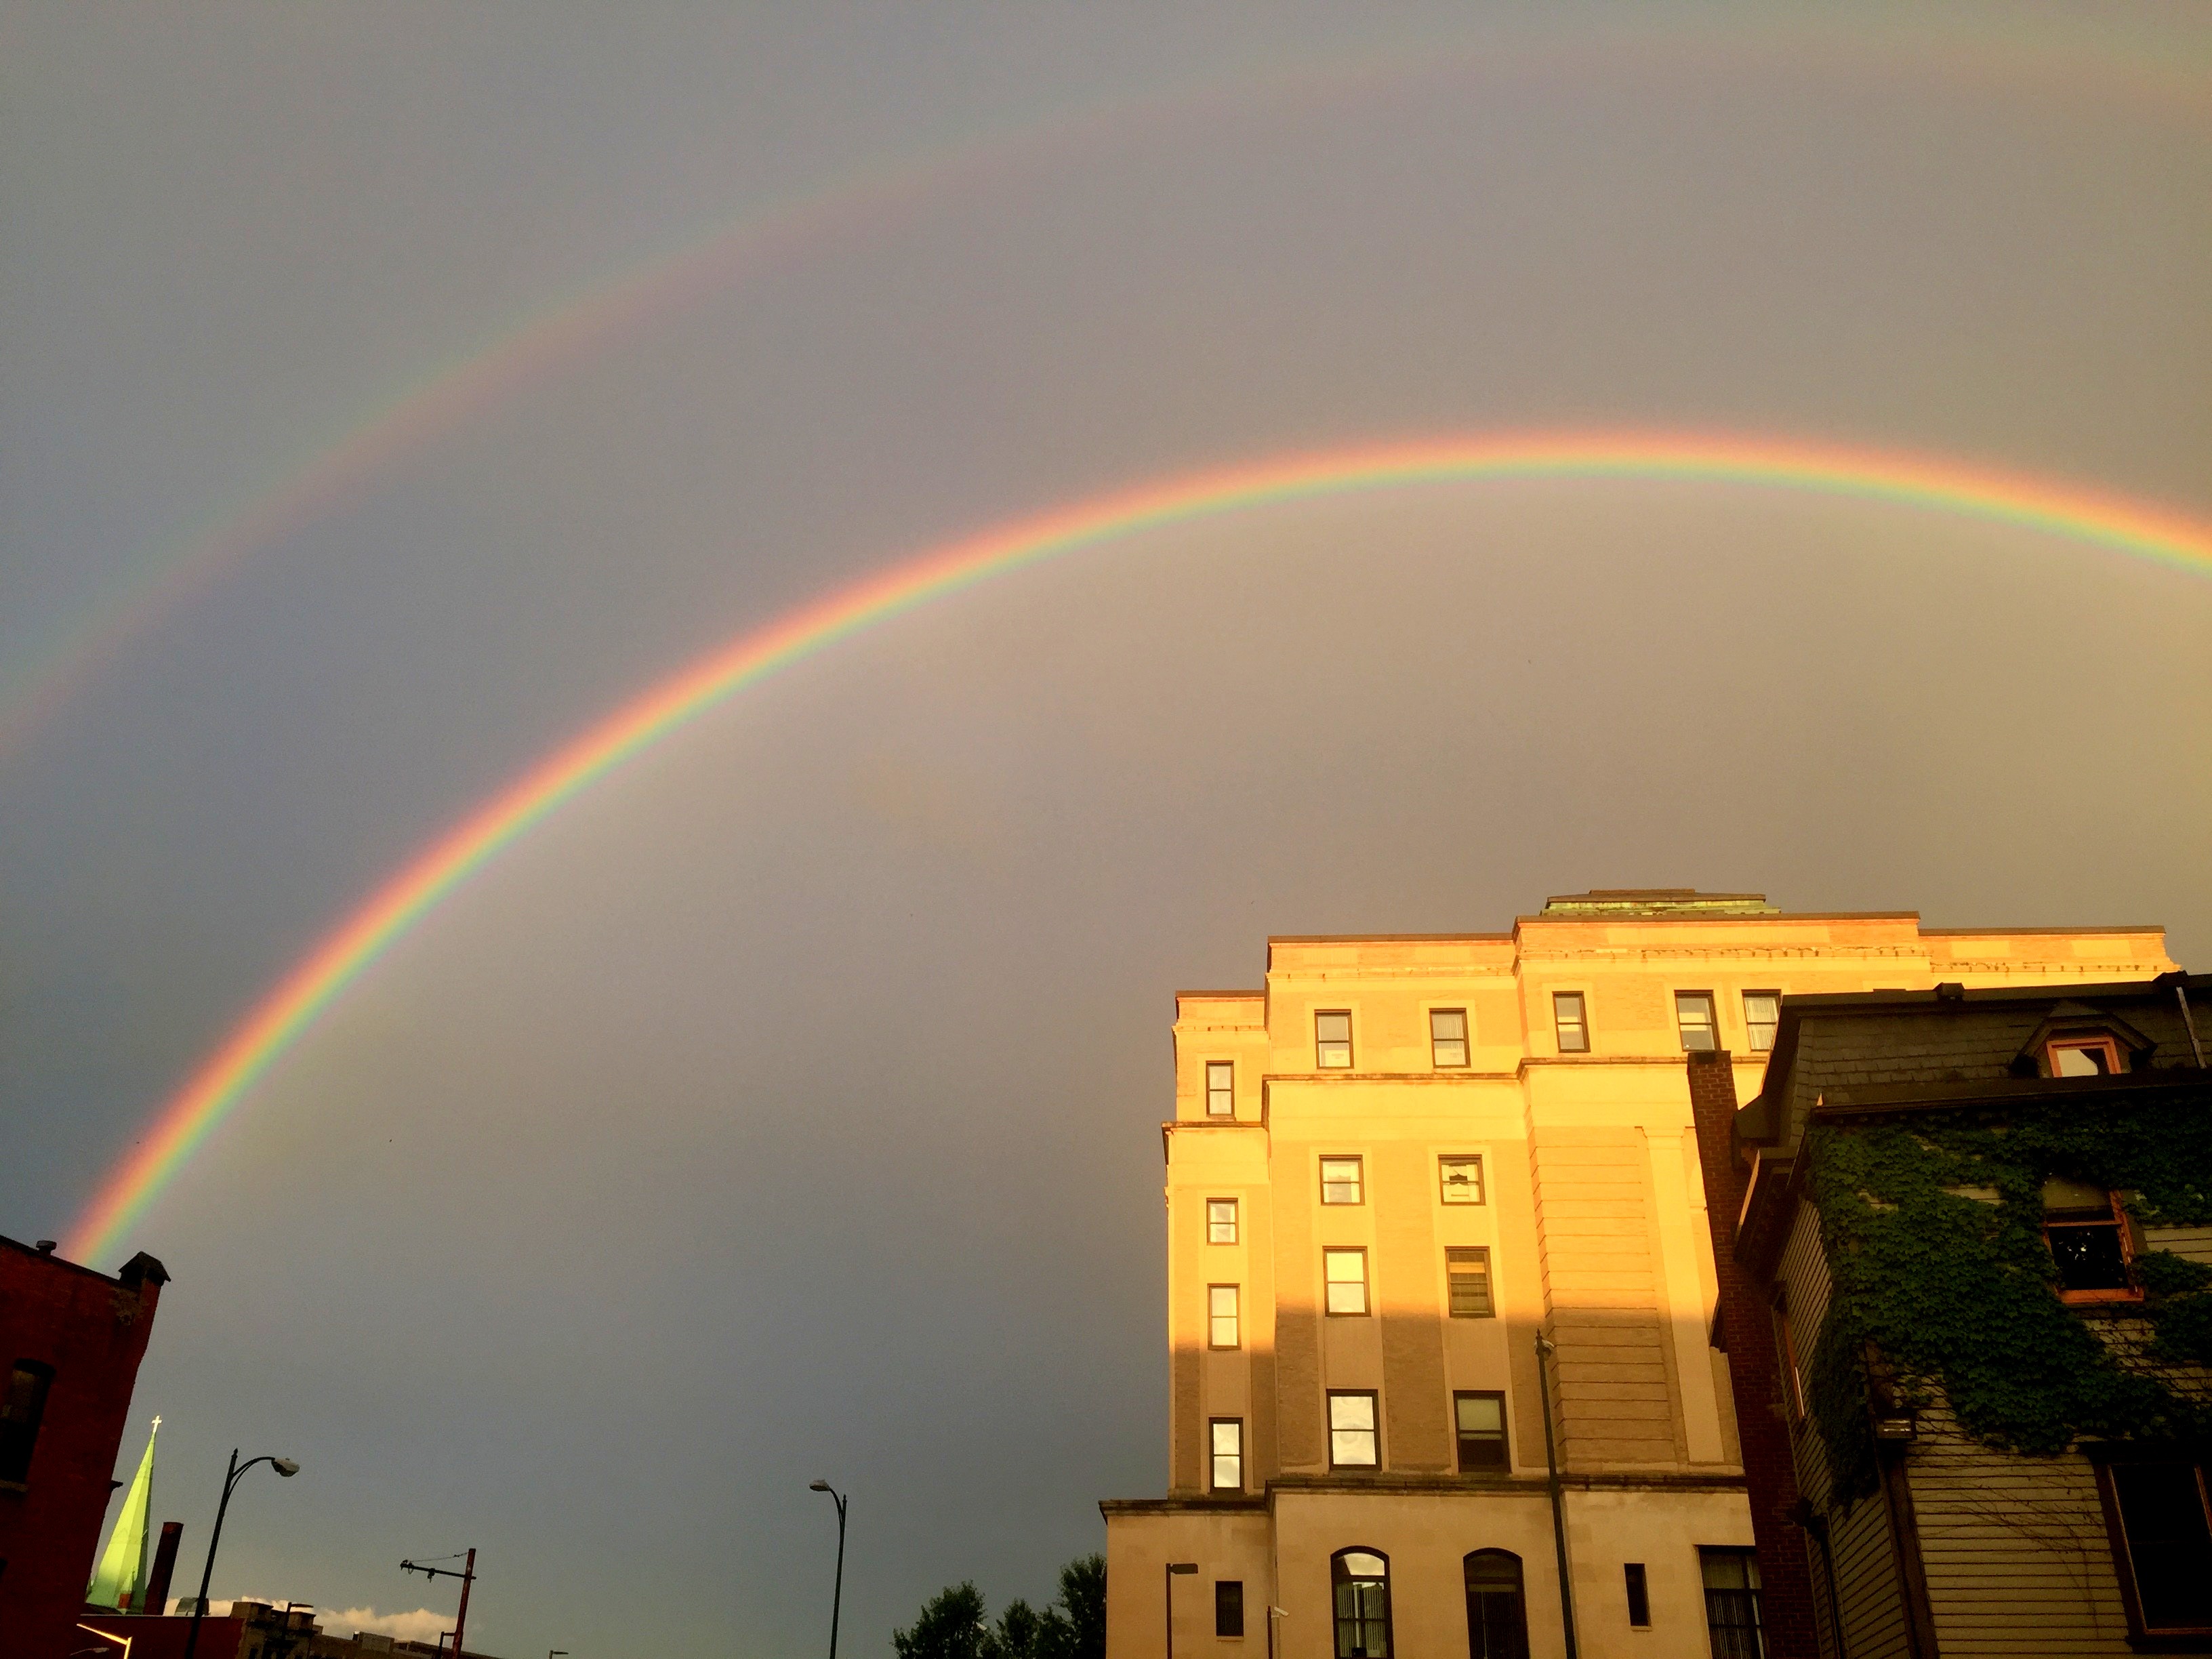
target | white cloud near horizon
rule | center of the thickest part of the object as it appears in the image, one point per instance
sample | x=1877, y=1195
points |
x=420, y=1626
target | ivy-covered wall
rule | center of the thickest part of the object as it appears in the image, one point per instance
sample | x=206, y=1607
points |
x=1959, y=1293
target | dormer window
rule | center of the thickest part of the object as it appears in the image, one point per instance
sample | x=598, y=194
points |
x=2088, y=1234
x=2083, y=1056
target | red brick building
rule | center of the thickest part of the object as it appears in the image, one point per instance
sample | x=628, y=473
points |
x=70, y=1341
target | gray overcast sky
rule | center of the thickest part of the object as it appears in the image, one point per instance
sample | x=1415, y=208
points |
x=785, y=1106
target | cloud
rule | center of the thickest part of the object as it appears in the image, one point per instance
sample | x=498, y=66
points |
x=420, y=1626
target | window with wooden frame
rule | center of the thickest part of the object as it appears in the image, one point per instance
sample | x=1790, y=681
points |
x=2160, y=1530
x=1447, y=1038
x=2087, y=1233
x=1344, y=1282
x=1221, y=1330
x=1221, y=1221
x=1479, y=1422
x=2083, y=1056
x=1221, y=1088
x=1639, y=1595
x=1340, y=1181
x=1229, y=1606
x=1333, y=1040
x=1571, y=1021
x=1693, y=1017
x=1459, y=1178
x=1354, y=1441
x=1226, y=1450
x=1359, y=1585
x=1732, y=1612
x=1762, y=1014
x=1467, y=1279
x=1793, y=1374
x=22, y=1409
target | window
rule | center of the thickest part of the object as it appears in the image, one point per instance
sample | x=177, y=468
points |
x=1480, y=1420
x=1732, y=1602
x=1762, y=1012
x=2088, y=1240
x=1352, y=1437
x=22, y=1410
x=1497, y=1611
x=1461, y=1178
x=1332, y=1041
x=1221, y=1315
x=1447, y=1037
x=1571, y=1022
x=1227, y=1434
x=2084, y=1057
x=1793, y=1374
x=1344, y=1280
x=1221, y=1221
x=2161, y=1544
x=1228, y=1607
x=1639, y=1595
x=1361, y=1581
x=1466, y=1274
x=1339, y=1181
x=1693, y=1013
x=1221, y=1088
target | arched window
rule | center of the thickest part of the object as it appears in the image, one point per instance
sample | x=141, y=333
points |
x=1497, y=1612
x=1362, y=1581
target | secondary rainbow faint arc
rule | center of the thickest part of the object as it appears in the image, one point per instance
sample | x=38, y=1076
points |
x=287, y=1010
x=567, y=326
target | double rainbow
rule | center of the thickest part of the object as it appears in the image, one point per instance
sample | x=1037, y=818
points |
x=185, y=1123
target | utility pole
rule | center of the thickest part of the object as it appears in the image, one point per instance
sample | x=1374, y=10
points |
x=467, y=1575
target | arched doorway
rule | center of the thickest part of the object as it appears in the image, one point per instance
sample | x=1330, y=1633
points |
x=1497, y=1611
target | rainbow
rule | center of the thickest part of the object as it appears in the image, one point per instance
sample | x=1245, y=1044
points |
x=185, y=1123
x=662, y=283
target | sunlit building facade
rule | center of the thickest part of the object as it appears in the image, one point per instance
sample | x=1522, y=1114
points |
x=1394, y=1173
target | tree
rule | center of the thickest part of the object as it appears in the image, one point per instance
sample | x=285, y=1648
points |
x=950, y=1627
x=952, y=1623
x=1023, y=1633
x=1080, y=1615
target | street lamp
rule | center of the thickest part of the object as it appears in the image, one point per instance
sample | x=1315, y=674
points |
x=837, y=1594
x=1175, y=1569
x=284, y=1465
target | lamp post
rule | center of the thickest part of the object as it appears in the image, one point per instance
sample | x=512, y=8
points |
x=1175, y=1569
x=837, y=1593
x=284, y=1465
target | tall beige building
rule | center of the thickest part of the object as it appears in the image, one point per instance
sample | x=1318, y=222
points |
x=1394, y=1173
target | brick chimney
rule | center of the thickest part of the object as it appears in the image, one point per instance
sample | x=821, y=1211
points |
x=1769, y=1471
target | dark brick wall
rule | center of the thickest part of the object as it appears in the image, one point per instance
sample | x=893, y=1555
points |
x=1784, y=1570
x=92, y=1330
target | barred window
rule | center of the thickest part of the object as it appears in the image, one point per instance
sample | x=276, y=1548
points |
x=1467, y=1273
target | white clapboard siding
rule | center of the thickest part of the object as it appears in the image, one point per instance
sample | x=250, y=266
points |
x=1867, y=1602
x=2014, y=1548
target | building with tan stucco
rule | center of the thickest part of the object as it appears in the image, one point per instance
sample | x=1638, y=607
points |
x=1398, y=1171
